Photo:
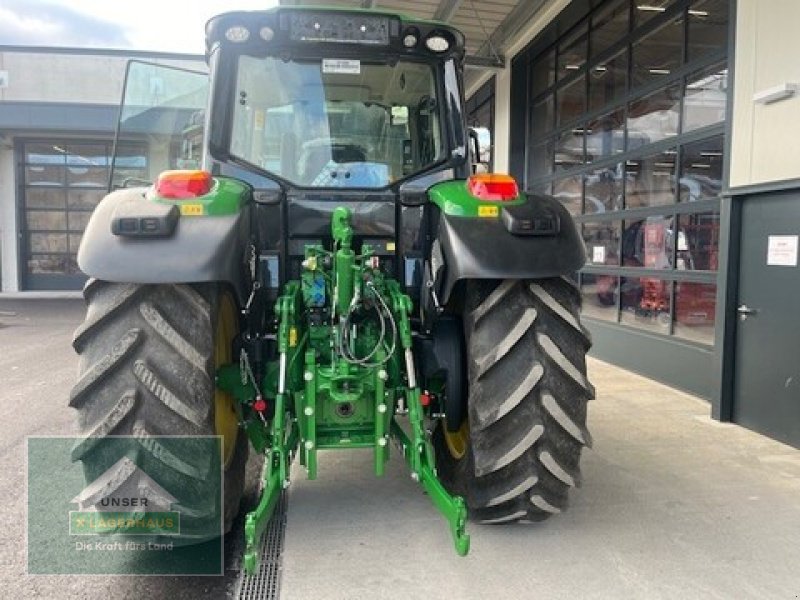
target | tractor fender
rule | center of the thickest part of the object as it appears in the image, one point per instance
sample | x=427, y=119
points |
x=187, y=249
x=548, y=244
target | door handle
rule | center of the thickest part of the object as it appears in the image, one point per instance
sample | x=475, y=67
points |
x=745, y=311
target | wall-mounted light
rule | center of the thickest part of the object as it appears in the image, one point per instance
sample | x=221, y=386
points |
x=776, y=94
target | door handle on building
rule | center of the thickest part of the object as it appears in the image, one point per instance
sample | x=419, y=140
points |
x=745, y=311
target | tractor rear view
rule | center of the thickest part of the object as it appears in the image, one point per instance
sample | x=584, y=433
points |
x=335, y=278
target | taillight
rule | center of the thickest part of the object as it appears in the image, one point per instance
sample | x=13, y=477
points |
x=183, y=184
x=493, y=187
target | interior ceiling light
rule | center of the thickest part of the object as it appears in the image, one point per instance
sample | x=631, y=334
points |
x=660, y=71
x=650, y=8
x=237, y=34
x=698, y=13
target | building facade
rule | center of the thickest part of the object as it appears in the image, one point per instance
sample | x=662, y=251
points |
x=58, y=113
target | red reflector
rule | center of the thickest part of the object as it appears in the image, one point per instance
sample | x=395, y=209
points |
x=260, y=404
x=493, y=187
x=183, y=184
x=425, y=399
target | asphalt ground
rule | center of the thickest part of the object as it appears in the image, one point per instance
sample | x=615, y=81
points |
x=673, y=505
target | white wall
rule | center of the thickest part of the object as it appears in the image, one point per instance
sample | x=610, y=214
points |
x=8, y=220
x=766, y=138
x=73, y=78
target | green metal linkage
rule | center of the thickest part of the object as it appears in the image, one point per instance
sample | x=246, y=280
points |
x=326, y=397
x=381, y=408
x=309, y=417
x=417, y=449
x=453, y=508
x=275, y=477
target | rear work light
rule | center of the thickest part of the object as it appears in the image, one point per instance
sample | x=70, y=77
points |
x=183, y=184
x=493, y=187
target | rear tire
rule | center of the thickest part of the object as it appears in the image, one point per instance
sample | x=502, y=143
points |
x=527, y=399
x=146, y=370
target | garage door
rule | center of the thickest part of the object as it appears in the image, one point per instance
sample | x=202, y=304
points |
x=62, y=182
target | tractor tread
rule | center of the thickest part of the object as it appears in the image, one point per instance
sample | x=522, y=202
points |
x=580, y=434
x=106, y=426
x=160, y=391
x=160, y=452
x=146, y=371
x=180, y=344
x=98, y=371
x=122, y=294
x=497, y=352
x=528, y=396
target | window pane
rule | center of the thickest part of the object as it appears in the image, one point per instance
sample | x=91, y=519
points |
x=47, y=242
x=708, y=27
x=654, y=117
x=569, y=149
x=88, y=155
x=607, y=80
x=645, y=303
x=698, y=242
x=44, y=175
x=571, y=101
x=543, y=73
x=129, y=177
x=41, y=220
x=541, y=157
x=572, y=51
x=599, y=294
x=644, y=11
x=605, y=135
x=658, y=54
x=52, y=263
x=542, y=189
x=81, y=176
x=44, y=198
x=543, y=117
x=74, y=242
x=569, y=191
x=602, y=242
x=695, y=304
x=44, y=154
x=650, y=180
x=609, y=26
x=701, y=170
x=706, y=98
x=77, y=221
x=648, y=242
x=604, y=189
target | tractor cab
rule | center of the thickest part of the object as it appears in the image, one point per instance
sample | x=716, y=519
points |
x=313, y=99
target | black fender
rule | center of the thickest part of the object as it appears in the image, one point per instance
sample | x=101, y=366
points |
x=535, y=240
x=177, y=249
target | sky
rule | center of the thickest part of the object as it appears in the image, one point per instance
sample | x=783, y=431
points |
x=165, y=25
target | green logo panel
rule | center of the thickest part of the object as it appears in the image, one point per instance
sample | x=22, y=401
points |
x=130, y=506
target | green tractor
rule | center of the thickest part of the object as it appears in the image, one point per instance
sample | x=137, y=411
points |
x=338, y=276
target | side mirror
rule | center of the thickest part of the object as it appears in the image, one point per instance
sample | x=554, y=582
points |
x=480, y=149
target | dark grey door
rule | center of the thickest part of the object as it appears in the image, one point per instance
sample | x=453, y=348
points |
x=767, y=376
